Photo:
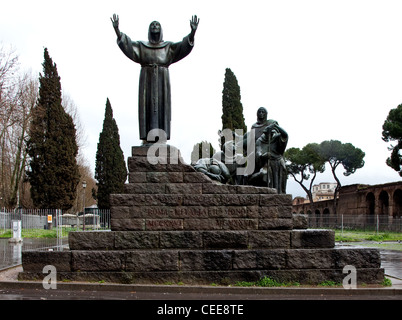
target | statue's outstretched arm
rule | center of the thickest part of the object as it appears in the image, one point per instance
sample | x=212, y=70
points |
x=115, y=22
x=194, y=25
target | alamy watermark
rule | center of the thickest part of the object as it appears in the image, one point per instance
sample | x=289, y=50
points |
x=350, y=281
x=49, y=281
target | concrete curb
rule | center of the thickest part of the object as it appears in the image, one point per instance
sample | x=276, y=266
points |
x=70, y=286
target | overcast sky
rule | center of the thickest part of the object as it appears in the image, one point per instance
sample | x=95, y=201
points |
x=323, y=69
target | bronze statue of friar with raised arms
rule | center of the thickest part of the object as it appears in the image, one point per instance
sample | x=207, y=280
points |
x=155, y=57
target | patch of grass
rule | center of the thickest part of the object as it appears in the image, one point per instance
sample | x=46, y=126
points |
x=386, y=282
x=356, y=236
x=171, y=283
x=266, y=282
x=37, y=233
x=6, y=234
x=245, y=284
x=329, y=283
x=379, y=237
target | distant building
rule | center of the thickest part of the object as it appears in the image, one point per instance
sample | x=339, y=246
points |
x=320, y=192
x=323, y=191
x=358, y=199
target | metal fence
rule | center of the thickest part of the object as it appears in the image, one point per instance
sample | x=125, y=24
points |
x=52, y=223
x=44, y=230
x=48, y=219
x=378, y=223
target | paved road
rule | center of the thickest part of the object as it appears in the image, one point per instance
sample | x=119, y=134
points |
x=391, y=262
x=60, y=294
x=196, y=305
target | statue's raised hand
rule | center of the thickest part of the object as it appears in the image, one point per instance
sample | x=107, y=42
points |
x=115, y=22
x=194, y=23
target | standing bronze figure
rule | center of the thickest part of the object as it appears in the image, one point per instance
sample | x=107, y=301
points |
x=269, y=150
x=270, y=145
x=262, y=122
x=155, y=57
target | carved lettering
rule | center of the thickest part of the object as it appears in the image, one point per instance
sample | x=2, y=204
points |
x=162, y=224
x=233, y=212
x=159, y=212
x=190, y=212
x=220, y=223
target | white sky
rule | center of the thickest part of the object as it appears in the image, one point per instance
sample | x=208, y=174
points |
x=323, y=69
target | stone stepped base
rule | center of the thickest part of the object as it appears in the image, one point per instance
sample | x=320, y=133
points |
x=174, y=224
x=306, y=266
x=222, y=239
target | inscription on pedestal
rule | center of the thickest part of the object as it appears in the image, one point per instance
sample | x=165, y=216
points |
x=161, y=224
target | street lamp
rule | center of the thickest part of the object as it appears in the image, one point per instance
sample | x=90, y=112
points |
x=84, y=185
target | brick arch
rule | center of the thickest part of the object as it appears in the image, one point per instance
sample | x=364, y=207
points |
x=325, y=216
x=397, y=203
x=370, y=203
x=326, y=211
x=383, y=202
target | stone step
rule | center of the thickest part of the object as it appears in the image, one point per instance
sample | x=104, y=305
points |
x=201, y=260
x=205, y=200
x=201, y=224
x=261, y=239
x=222, y=277
x=200, y=212
x=149, y=187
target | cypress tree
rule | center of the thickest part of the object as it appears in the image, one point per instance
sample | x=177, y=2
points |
x=203, y=148
x=53, y=171
x=232, y=108
x=110, y=168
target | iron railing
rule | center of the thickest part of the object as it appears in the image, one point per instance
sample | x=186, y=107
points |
x=44, y=229
x=378, y=223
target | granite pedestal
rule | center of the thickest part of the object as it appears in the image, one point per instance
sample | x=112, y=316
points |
x=173, y=224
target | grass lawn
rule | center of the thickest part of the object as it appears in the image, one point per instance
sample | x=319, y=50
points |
x=36, y=233
x=357, y=236
x=382, y=240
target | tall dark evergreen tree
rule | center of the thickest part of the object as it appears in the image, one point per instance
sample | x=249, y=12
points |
x=203, y=148
x=110, y=167
x=232, y=108
x=52, y=147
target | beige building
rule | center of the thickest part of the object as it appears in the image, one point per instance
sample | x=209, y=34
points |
x=323, y=191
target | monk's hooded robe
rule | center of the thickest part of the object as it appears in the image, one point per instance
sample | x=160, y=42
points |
x=155, y=57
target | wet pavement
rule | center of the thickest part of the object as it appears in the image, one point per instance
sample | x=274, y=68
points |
x=391, y=260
